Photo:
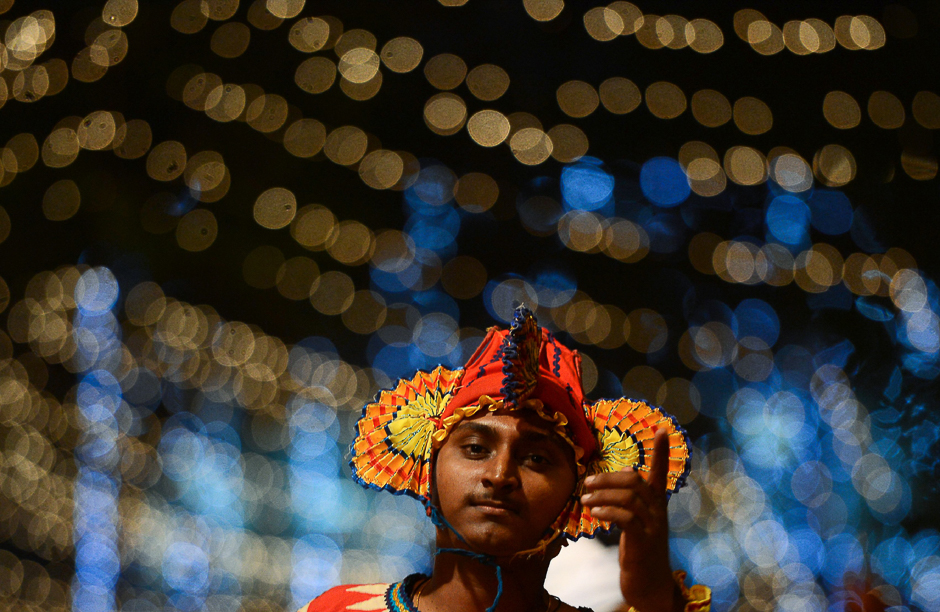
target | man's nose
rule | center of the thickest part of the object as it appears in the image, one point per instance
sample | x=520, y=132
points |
x=502, y=471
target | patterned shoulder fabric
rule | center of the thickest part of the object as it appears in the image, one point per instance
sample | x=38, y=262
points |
x=368, y=597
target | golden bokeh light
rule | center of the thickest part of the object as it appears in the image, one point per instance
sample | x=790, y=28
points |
x=743, y=20
x=926, y=109
x=445, y=113
x=648, y=34
x=346, y=145
x=789, y=170
x=30, y=84
x=464, y=277
x=135, y=138
x=625, y=241
x=61, y=200
x=226, y=103
x=145, y=304
x=402, y=54
x=752, y=116
x=711, y=108
x=261, y=266
x=314, y=227
x=834, y=165
x=25, y=149
x=642, y=383
x=367, y=312
x=521, y=120
x=275, y=208
x=315, y=75
x=885, y=110
x=671, y=31
x=285, y=9
x=603, y=23
x=362, y=91
x=309, y=35
x=197, y=230
x=381, y=169
x=219, y=10
x=354, y=39
x=543, y=10
x=353, y=245
x=488, y=128
x=681, y=398
x=648, y=330
x=631, y=17
x=531, y=146
x=296, y=277
x=703, y=168
x=394, y=251
x=919, y=166
x=704, y=36
x=197, y=89
x=167, y=161
x=305, y=138
x=569, y=143
x=476, y=192
x=841, y=110
x=620, y=95
x=85, y=69
x=109, y=48
x=445, y=71
x=333, y=293
x=119, y=13
x=359, y=65
x=61, y=147
x=859, y=32
x=267, y=113
x=260, y=17
x=581, y=231
x=577, y=99
x=488, y=82
x=97, y=131
x=665, y=100
x=745, y=165
x=230, y=40
x=188, y=18
x=765, y=37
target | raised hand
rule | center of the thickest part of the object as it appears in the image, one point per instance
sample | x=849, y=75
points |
x=638, y=507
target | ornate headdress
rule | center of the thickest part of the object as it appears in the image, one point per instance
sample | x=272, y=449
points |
x=523, y=367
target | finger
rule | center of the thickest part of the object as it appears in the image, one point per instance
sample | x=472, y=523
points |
x=628, y=520
x=625, y=478
x=622, y=500
x=636, y=489
x=659, y=468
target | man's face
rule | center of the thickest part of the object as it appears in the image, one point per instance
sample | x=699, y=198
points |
x=501, y=479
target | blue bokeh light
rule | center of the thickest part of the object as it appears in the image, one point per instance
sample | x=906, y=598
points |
x=831, y=212
x=757, y=318
x=788, y=219
x=663, y=182
x=586, y=186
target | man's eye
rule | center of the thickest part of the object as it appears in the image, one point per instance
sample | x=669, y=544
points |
x=474, y=449
x=538, y=459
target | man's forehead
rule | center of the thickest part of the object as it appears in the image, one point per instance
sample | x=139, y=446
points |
x=524, y=421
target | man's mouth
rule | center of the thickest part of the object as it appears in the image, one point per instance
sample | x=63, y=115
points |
x=495, y=507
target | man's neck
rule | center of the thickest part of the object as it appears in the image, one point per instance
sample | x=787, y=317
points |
x=464, y=583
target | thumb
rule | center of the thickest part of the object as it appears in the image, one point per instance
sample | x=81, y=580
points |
x=659, y=468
